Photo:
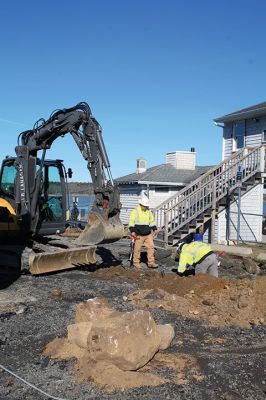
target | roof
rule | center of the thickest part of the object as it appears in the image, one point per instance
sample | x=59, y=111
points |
x=164, y=174
x=250, y=112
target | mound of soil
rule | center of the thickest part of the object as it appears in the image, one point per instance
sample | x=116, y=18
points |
x=220, y=302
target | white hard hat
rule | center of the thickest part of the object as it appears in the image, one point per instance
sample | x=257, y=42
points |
x=144, y=201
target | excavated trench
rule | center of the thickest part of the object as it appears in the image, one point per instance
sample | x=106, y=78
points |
x=211, y=356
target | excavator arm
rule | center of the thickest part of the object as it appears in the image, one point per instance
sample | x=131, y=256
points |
x=104, y=223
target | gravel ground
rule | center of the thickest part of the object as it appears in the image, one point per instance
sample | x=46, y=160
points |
x=31, y=317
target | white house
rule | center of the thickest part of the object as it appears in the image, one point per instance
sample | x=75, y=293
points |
x=186, y=198
x=244, y=128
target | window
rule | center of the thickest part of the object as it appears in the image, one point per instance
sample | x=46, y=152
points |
x=52, y=208
x=264, y=136
x=239, y=128
x=8, y=179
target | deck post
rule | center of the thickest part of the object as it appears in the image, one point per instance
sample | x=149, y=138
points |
x=213, y=212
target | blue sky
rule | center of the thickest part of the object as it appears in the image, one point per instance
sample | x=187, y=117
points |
x=154, y=72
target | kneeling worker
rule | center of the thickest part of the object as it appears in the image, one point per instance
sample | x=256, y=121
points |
x=199, y=255
x=143, y=229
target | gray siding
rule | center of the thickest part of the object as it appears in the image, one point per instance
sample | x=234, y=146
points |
x=228, y=140
x=253, y=135
x=250, y=225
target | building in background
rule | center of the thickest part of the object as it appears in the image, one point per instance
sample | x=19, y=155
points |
x=244, y=128
x=185, y=196
x=159, y=182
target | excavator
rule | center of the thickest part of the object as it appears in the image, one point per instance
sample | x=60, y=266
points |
x=34, y=232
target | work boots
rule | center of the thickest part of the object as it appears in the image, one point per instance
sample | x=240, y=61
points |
x=137, y=266
x=153, y=265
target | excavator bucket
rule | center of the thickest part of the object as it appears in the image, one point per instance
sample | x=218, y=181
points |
x=100, y=230
x=41, y=263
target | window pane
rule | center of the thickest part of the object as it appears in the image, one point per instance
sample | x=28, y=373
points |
x=52, y=209
x=8, y=179
x=239, y=133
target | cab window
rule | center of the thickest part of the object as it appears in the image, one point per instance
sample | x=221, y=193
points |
x=52, y=209
x=8, y=179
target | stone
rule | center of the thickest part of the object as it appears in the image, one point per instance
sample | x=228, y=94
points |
x=208, y=302
x=166, y=333
x=56, y=294
x=251, y=266
x=226, y=286
x=78, y=333
x=243, y=303
x=231, y=395
x=261, y=257
x=128, y=340
x=92, y=309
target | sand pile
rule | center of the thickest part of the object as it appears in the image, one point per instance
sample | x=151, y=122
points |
x=111, y=346
x=217, y=301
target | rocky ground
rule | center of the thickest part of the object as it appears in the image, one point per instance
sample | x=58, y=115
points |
x=218, y=351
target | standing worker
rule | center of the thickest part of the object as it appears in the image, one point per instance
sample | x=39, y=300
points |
x=143, y=230
x=198, y=255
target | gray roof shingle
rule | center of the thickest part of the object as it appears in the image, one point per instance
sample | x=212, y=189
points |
x=165, y=173
x=248, y=112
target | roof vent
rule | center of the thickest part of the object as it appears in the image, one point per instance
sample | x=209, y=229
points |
x=141, y=165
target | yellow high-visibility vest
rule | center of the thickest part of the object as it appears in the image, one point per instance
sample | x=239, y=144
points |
x=140, y=217
x=192, y=253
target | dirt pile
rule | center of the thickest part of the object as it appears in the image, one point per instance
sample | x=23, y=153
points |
x=217, y=301
x=118, y=272
x=110, y=345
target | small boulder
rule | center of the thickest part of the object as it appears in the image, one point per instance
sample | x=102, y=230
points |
x=208, y=302
x=251, y=266
x=78, y=333
x=128, y=340
x=93, y=309
x=166, y=333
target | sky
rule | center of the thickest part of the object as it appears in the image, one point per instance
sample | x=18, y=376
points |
x=154, y=72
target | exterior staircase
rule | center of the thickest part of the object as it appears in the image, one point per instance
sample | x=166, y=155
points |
x=196, y=206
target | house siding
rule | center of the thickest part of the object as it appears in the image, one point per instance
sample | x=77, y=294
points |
x=129, y=197
x=228, y=140
x=253, y=135
x=250, y=225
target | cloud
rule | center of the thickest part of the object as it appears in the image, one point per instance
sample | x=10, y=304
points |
x=7, y=121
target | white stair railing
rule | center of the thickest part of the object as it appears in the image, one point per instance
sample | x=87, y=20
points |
x=204, y=193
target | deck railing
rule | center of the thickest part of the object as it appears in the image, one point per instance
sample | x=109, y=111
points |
x=204, y=193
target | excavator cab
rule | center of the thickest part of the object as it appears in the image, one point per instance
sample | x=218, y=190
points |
x=51, y=198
